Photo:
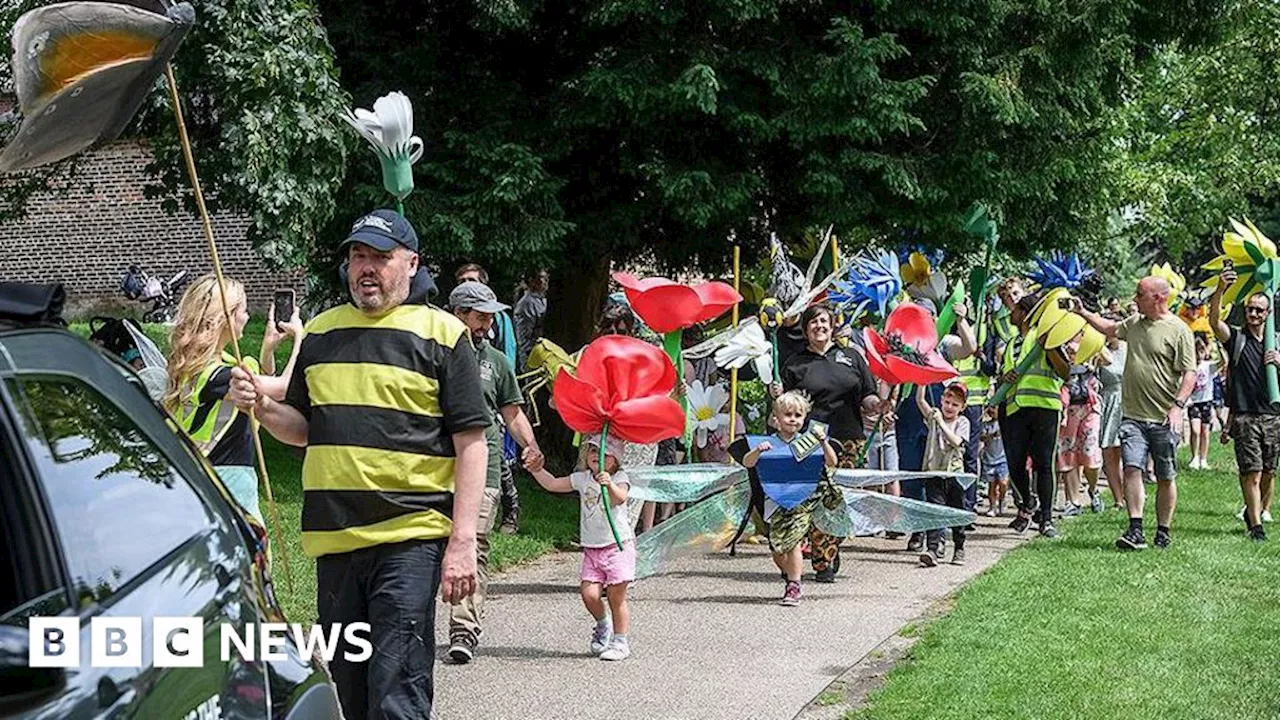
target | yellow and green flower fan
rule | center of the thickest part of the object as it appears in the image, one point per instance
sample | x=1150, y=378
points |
x=1257, y=265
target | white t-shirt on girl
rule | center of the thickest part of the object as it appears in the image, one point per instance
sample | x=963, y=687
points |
x=1203, y=391
x=593, y=526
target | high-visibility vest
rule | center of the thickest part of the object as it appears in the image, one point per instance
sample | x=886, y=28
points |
x=1005, y=329
x=977, y=384
x=208, y=424
x=1039, y=386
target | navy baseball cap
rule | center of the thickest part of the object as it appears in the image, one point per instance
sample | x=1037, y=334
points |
x=382, y=230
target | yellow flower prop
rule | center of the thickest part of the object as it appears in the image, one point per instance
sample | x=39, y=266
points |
x=1177, y=283
x=917, y=269
x=1258, y=266
x=1247, y=248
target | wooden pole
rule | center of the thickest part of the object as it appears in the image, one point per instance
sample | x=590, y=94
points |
x=733, y=374
x=226, y=313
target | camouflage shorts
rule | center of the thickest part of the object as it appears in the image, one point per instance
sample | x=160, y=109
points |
x=787, y=528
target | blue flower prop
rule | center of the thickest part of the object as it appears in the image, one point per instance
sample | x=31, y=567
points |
x=873, y=280
x=1060, y=271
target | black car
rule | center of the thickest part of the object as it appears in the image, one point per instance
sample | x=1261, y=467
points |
x=107, y=510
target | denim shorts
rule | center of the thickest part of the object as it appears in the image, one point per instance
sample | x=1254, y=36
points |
x=998, y=470
x=1138, y=438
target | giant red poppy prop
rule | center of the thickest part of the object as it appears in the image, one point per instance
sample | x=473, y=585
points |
x=624, y=385
x=667, y=306
x=907, y=352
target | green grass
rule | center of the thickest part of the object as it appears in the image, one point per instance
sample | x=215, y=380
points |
x=1075, y=629
x=547, y=521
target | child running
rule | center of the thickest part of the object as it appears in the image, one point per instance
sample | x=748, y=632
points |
x=944, y=451
x=606, y=570
x=787, y=528
x=995, y=467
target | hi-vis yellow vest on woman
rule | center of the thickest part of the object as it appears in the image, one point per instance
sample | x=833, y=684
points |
x=1039, y=386
x=207, y=424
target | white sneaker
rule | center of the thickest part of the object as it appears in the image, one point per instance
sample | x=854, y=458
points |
x=601, y=636
x=619, y=649
x=1266, y=516
x=1240, y=515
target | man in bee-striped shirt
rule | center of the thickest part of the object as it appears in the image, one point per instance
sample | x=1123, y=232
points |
x=387, y=399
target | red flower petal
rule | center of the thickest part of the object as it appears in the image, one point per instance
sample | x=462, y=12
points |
x=876, y=349
x=717, y=298
x=935, y=371
x=579, y=403
x=624, y=368
x=914, y=325
x=666, y=306
x=647, y=419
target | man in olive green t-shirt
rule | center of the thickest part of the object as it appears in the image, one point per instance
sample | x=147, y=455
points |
x=1159, y=375
x=475, y=304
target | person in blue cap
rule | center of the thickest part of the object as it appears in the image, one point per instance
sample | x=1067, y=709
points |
x=387, y=400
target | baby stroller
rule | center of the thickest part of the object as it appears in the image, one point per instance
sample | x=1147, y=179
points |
x=163, y=295
x=125, y=339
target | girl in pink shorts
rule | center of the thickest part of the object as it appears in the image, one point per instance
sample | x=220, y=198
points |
x=606, y=570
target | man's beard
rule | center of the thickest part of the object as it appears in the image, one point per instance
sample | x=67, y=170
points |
x=387, y=297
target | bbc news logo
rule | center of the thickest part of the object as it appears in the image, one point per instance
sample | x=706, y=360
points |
x=179, y=642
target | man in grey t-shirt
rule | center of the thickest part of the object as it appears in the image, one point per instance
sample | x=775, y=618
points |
x=1159, y=376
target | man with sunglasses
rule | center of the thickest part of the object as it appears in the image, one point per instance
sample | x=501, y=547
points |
x=1159, y=376
x=1255, y=422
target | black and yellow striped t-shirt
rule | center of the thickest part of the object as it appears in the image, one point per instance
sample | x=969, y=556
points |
x=383, y=396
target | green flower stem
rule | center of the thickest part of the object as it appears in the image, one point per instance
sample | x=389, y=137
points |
x=604, y=492
x=777, y=371
x=672, y=344
x=1269, y=343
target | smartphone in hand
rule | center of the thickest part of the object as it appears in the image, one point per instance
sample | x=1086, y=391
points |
x=283, y=303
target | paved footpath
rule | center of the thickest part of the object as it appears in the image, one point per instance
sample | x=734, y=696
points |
x=708, y=638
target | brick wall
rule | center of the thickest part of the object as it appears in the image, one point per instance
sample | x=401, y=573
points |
x=86, y=235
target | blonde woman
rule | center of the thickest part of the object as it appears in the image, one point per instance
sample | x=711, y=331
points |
x=200, y=377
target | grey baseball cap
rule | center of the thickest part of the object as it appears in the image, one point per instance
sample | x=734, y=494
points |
x=475, y=296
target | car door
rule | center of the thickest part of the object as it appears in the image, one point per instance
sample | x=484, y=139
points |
x=135, y=538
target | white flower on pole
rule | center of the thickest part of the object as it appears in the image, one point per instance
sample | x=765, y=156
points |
x=389, y=129
x=748, y=344
x=705, y=406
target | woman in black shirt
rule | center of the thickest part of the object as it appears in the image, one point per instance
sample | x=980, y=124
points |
x=841, y=387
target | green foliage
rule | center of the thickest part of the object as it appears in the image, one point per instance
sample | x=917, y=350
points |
x=1200, y=656
x=262, y=103
x=753, y=406
x=261, y=99
x=581, y=133
x=1202, y=139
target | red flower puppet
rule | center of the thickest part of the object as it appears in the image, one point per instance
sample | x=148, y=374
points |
x=907, y=352
x=667, y=306
x=625, y=383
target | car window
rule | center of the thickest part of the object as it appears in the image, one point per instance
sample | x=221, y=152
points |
x=118, y=504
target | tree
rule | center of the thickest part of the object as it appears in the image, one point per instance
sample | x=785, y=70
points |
x=583, y=133
x=262, y=100
x=1202, y=134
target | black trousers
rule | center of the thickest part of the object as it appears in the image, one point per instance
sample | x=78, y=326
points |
x=971, y=447
x=944, y=491
x=393, y=588
x=1031, y=433
x=510, y=495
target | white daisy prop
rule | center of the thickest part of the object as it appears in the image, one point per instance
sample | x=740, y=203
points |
x=705, y=406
